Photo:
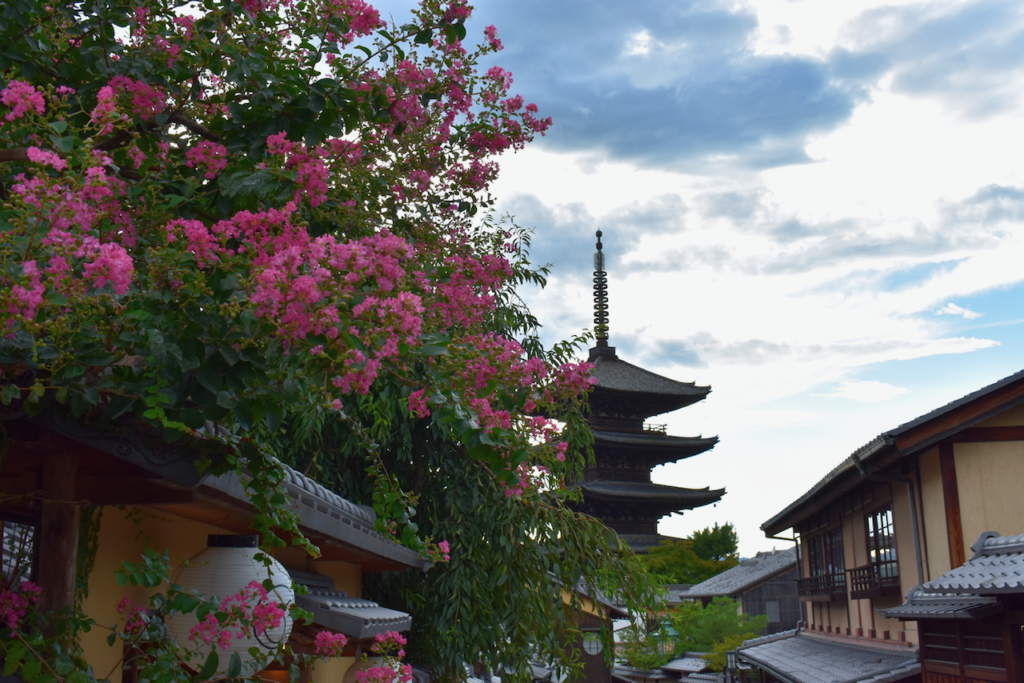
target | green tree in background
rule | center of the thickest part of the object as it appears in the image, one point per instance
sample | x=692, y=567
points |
x=718, y=543
x=696, y=558
x=715, y=629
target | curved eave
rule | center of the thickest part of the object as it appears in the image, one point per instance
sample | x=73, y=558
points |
x=653, y=494
x=662, y=447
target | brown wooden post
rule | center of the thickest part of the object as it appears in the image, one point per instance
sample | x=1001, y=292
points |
x=951, y=498
x=1013, y=647
x=58, y=533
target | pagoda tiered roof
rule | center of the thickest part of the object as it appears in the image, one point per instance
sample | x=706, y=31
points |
x=646, y=393
x=651, y=495
x=654, y=447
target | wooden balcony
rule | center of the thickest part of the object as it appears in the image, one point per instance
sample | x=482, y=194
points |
x=874, y=580
x=822, y=588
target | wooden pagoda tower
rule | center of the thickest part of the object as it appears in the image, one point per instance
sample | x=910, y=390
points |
x=617, y=488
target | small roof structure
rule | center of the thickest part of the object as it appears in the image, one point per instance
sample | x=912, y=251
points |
x=690, y=662
x=802, y=657
x=911, y=437
x=340, y=612
x=921, y=605
x=746, y=574
x=972, y=590
x=997, y=567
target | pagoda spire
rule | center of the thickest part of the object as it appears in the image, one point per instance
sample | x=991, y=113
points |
x=600, y=296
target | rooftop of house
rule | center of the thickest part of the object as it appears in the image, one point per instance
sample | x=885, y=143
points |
x=1009, y=391
x=746, y=574
x=802, y=657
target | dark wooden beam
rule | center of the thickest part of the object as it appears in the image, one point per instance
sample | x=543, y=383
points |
x=58, y=532
x=951, y=499
x=989, y=434
x=106, y=489
x=966, y=415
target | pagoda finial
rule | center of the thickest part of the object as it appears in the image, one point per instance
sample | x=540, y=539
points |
x=600, y=296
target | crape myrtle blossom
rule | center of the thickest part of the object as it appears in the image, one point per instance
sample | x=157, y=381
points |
x=177, y=219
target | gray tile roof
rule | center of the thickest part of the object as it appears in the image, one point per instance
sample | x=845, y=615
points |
x=691, y=662
x=748, y=573
x=642, y=490
x=886, y=440
x=997, y=567
x=335, y=518
x=921, y=605
x=616, y=374
x=806, y=658
x=340, y=612
x=319, y=509
x=675, y=592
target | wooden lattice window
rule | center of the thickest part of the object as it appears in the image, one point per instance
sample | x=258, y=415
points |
x=882, y=542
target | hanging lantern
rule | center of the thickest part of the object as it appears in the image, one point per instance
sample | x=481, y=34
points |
x=226, y=568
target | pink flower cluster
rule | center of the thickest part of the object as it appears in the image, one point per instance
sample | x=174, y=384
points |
x=245, y=613
x=209, y=157
x=362, y=18
x=307, y=163
x=136, y=617
x=327, y=644
x=147, y=101
x=15, y=604
x=22, y=98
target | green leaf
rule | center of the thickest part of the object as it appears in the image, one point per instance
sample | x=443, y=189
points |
x=175, y=199
x=58, y=127
x=209, y=668
x=433, y=350
x=13, y=658
x=9, y=393
x=30, y=672
x=234, y=665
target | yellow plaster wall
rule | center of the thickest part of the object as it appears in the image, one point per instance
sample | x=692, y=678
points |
x=121, y=539
x=988, y=480
x=124, y=536
x=934, y=516
x=332, y=670
x=347, y=577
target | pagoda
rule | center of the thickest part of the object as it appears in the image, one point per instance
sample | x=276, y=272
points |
x=617, y=488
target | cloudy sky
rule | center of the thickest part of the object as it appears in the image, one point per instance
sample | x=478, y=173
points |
x=815, y=207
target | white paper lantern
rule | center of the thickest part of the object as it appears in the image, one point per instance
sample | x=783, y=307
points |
x=225, y=568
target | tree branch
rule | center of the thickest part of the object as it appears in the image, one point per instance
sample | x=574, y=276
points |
x=196, y=128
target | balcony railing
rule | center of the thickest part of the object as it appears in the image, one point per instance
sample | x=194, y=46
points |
x=824, y=587
x=875, y=580
x=656, y=429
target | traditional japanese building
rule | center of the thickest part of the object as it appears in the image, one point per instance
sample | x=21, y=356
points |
x=617, y=488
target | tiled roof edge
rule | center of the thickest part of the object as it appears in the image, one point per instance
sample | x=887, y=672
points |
x=885, y=439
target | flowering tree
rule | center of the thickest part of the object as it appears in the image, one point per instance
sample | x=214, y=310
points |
x=262, y=224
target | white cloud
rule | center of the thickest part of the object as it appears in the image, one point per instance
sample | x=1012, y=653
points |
x=953, y=309
x=638, y=44
x=865, y=391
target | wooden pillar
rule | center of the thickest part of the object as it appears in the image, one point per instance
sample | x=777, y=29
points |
x=58, y=532
x=951, y=499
